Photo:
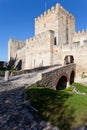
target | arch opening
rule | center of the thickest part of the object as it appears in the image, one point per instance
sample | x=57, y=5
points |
x=62, y=83
x=68, y=59
x=72, y=77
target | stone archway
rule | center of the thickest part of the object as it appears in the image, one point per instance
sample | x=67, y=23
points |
x=68, y=59
x=62, y=83
x=72, y=77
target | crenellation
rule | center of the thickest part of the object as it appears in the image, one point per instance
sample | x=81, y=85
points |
x=57, y=6
x=41, y=16
x=52, y=9
x=48, y=11
x=82, y=32
x=38, y=18
x=39, y=36
x=70, y=15
x=16, y=41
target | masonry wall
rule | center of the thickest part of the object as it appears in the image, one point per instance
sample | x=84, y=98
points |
x=80, y=39
x=80, y=45
x=48, y=21
x=39, y=50
x=66, y=28
x=79, y=51
x=21, y=56
x=17, y=52
x=13, y=46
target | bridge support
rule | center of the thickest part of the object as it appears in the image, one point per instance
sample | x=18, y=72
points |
x=68, y=84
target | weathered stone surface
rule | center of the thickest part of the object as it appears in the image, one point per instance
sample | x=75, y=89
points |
x=81, y=128
x=14, y=115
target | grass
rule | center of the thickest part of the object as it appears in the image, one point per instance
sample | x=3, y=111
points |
x=61, y=108
x=80, y=87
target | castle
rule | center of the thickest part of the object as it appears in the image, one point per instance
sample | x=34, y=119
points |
x=55, y=38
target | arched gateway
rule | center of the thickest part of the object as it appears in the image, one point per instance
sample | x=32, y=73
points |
x=62, y=83
x=65, y=80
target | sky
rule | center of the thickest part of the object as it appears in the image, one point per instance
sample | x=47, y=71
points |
x=17, y=18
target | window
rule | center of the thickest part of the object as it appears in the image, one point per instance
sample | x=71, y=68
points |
x=55, y=41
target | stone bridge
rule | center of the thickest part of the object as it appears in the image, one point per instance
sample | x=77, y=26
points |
x=55, y=77
x=58, y=77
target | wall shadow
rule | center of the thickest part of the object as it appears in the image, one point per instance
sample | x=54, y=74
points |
x=19, y=65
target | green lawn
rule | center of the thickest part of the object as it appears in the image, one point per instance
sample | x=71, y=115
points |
x=61, y=108
x=80, y=87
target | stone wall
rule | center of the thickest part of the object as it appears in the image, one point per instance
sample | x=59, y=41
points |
x=78, y=50
x=13, y=46
x=17, y=53
x=39, y=50
x=21, y=56
x=80, y=39
x=47, y=21
x=66, y=27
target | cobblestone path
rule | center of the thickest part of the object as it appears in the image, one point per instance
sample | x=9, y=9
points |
x=16, y=113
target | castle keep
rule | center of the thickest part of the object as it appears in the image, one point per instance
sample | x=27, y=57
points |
x=55, y=38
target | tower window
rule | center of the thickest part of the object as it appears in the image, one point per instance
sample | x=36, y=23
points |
x=55, y=41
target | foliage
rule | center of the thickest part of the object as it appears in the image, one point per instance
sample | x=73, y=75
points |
x=83, y=75
x=2, y=70
x=59, y=107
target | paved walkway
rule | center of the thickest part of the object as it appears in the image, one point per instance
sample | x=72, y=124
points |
x=16, y=113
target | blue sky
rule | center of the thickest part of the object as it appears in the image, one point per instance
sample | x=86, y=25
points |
x=17, y=18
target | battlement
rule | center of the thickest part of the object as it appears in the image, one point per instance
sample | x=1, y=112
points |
x=82, y=32
x=39, y=36
x=55, y=8
x=16, y=41
x=16, y=44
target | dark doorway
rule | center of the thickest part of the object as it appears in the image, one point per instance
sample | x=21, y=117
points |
x=62, y=83
x=72, y=77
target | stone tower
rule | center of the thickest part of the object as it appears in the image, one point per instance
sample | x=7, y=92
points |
x=58, y=20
